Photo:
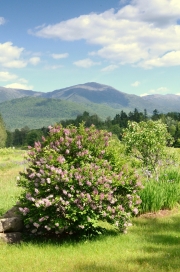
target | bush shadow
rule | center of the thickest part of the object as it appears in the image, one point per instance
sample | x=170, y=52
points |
x=66, y=238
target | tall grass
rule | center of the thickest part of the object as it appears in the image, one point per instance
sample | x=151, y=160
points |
x=161, y=194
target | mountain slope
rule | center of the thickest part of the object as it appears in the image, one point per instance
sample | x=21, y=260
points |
x=10, y=93
x=91, y=92
x=36, y=112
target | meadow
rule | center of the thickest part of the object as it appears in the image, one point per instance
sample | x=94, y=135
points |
x=151, y=244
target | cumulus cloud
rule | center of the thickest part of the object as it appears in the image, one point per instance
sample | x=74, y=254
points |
x=169, y=59
x=10, y=56
x=60, y=56
x=34, y=60
x=6, y=76
x=141, y=33
x=2, y=20
x=135, y=84
x=18, y=85
x=86, y=63
x=109, y=68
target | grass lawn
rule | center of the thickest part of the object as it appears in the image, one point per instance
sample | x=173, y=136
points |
x=152, y=244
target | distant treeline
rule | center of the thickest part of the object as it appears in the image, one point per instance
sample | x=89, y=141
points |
x=25, y=136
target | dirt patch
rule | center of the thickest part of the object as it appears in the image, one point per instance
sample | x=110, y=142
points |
x=161, y=213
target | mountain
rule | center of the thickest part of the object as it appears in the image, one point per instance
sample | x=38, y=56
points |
x=36, y=109
x=37, y=112
x=10, y=93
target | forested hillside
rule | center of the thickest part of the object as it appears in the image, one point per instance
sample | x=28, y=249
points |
x=26, y=136
x=36, y=112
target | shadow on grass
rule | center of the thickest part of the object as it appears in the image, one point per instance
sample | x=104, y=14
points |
x=161, y=243
x=66, y=238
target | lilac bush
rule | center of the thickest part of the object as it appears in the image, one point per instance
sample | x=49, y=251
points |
x=74, y=179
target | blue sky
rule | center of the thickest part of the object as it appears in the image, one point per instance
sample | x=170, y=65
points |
x=131, y=45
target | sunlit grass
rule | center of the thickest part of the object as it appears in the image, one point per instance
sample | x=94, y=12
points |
x=11, y=162
x=152, y=244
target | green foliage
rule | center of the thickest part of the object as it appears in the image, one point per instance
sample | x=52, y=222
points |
x=74, y=179
x=3, y=134
x=162, y=194
x=147, y=142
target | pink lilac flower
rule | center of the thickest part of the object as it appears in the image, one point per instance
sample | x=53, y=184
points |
x=42, y=219
x=135, y=211
x=48, y=180
x=48, y=228
x=36, y=225
x=56, y=187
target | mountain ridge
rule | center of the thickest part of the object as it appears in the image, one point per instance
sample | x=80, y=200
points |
x=67, y=103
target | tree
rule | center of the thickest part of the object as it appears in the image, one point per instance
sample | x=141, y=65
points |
x=3, y=133
x=147, y=141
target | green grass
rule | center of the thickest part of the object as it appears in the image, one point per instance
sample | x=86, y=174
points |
x=152, y=244
x=11, y=162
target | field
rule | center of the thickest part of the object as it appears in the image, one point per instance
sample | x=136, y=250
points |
x=151, y=244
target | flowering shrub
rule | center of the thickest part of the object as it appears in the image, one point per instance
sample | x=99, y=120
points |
x=75, y=179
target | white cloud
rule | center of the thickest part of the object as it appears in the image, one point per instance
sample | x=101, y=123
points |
x=141, y=33
x=86, y=63
x=18, y=85
x=6, y=76
x=10, y=56
x=2, y=20
x=135, y=84
x=144, y=94
x=60, y=56
x=177, y=93
x=109, y=68
x=34, y=60
x=159, y=90
x=169, y=59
